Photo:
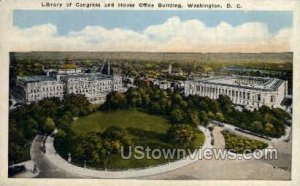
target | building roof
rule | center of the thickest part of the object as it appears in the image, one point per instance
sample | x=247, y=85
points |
x=258, y=83
x=67, y=66
x=33, y=79
x=88, y=75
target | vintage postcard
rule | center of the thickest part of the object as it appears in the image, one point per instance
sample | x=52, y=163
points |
x=149, y=92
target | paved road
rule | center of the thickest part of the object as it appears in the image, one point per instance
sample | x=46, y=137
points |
x=225, y=170
x=60, y=163
x=219, y=141
x=200, y=169
x=279, y=169
x=46, y=168
x=284, y=159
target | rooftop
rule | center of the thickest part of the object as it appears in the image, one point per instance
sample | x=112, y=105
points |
x=259, y=83
x=90, y=76
x=33, y=79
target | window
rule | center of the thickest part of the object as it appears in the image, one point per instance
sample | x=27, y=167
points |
x=258, y=97
x=248, y=95
x=272, y=99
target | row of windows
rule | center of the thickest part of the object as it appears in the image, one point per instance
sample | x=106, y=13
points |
x=51, y=88
x=45, y=95
x=87, y=87
x=90, y=91
x=101, y=83
x=231, y=93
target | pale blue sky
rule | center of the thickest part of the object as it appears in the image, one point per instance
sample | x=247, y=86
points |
x=75, y=20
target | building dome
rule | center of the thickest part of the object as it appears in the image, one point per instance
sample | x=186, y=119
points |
x=68, y=66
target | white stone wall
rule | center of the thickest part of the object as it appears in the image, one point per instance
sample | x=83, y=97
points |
x=94, y=89
x=39, y=90
x=251, y=98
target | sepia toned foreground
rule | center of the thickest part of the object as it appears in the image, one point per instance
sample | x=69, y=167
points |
x=51, y=165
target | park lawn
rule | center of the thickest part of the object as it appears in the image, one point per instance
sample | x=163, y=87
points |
x=144, y=130
x=133, y=120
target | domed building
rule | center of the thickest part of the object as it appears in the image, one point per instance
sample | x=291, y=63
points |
x=68, y=68
x=68, y=79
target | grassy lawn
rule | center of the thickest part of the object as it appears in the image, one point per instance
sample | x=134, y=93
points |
x=144, y=130
x=133, y=120
x=240, y=143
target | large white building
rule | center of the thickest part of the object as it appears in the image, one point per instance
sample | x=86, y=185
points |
x=251, y=92
x=68, y=80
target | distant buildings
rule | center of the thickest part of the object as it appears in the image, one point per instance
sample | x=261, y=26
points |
x=251, y=92
x=68, y=79
x=163, y=84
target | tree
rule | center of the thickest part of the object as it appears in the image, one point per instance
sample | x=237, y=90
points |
x=178, y=99
x=48, y=107
x=133, y=97
x=164, y=104
x=76, y=104
x=225, y=103
x=114, y=132
x=177, y=115
x=203, y=106
x=116, y=135
x=49, y=125
x=30, y=127
x=268, y=118
x=194, y=118
x=257, y=126
x=90, y=147
x=116, y=100
x=269, y=129
x=211, y=115
x=60, y=134
x=220, y=116
x=63, y=124
x=280, y=114
x=181, y=135
x=203, y=118
x=155, y=108
x=213, y=106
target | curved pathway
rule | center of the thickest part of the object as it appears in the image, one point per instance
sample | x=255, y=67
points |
x=58, y=161
x=236, y=169
x=219, y=141
x=45, y=167
x=196, y=170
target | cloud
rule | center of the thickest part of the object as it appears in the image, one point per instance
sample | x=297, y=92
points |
x=174, y=35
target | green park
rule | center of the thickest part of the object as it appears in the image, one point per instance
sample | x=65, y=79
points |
x=145, y=116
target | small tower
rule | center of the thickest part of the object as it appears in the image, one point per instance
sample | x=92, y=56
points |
x=170, y=69
x=108, y=68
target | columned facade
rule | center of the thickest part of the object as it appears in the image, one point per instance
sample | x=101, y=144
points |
x=269, y=93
